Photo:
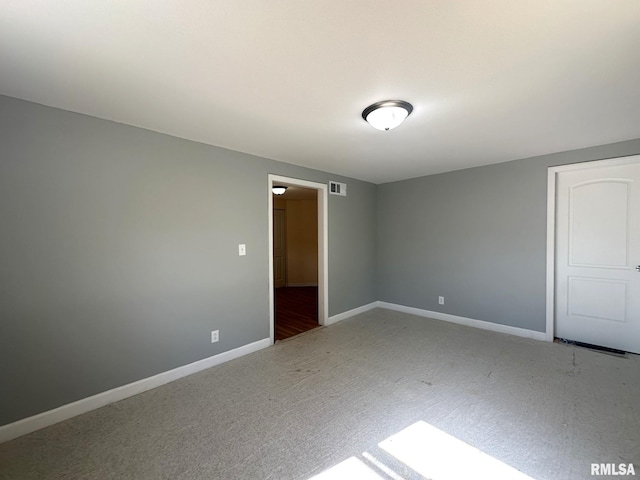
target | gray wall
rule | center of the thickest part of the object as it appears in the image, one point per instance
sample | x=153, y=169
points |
x=475, y=236
x=118, y=249
x=118, y=253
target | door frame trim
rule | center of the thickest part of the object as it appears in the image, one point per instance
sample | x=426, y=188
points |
x=552, y=177
x=323, y=246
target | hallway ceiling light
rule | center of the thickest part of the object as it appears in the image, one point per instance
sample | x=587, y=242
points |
x=278, y=189
x=387, y=114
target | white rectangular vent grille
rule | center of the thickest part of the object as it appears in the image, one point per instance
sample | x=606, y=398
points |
x=336, y=188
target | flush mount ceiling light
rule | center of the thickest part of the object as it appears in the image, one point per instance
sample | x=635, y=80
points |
x=387, y=114
x=278, y=189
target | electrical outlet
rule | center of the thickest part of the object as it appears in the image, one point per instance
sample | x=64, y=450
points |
x=215, y=336
x=441, y=300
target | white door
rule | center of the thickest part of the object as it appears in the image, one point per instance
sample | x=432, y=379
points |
x=597, y=254
x=279, y=249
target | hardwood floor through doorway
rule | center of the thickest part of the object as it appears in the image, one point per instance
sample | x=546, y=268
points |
x=296, y=311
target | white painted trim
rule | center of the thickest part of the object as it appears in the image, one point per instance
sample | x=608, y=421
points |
x=552, y=176
x=309, y=284
x=609, y=162
x=65, y=412
x=350, y=313
x=469, y=322
x=272, y=325
x=323, y=255
x=323, y=246
x=551, y=254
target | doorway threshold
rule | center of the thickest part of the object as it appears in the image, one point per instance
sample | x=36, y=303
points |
x=300, y=334
x=597, y=348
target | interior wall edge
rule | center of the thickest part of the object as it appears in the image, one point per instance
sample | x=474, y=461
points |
x=121, y=253
x=468, y=322
x=65, y=412
x=350, y=313
x=70, y=410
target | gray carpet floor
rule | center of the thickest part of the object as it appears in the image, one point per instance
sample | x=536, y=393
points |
x=338, y=397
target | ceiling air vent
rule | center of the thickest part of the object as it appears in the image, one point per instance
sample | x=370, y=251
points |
x=336, y=188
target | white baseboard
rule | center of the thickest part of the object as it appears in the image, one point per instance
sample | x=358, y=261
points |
x=470, y=322
x=65, y=412
x=310, y=284
x=351, y=313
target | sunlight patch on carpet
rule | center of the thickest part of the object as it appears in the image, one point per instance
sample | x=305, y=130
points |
x=437, y=455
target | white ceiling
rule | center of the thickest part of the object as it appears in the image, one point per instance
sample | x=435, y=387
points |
x=490, y=80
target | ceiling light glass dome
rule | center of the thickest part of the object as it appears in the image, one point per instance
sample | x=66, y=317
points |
x=388, y=114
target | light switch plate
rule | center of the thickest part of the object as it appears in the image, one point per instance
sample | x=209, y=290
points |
x=242, y=249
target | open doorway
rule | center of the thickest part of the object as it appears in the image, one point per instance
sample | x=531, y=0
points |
x=298, y=257
x=295, y=261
